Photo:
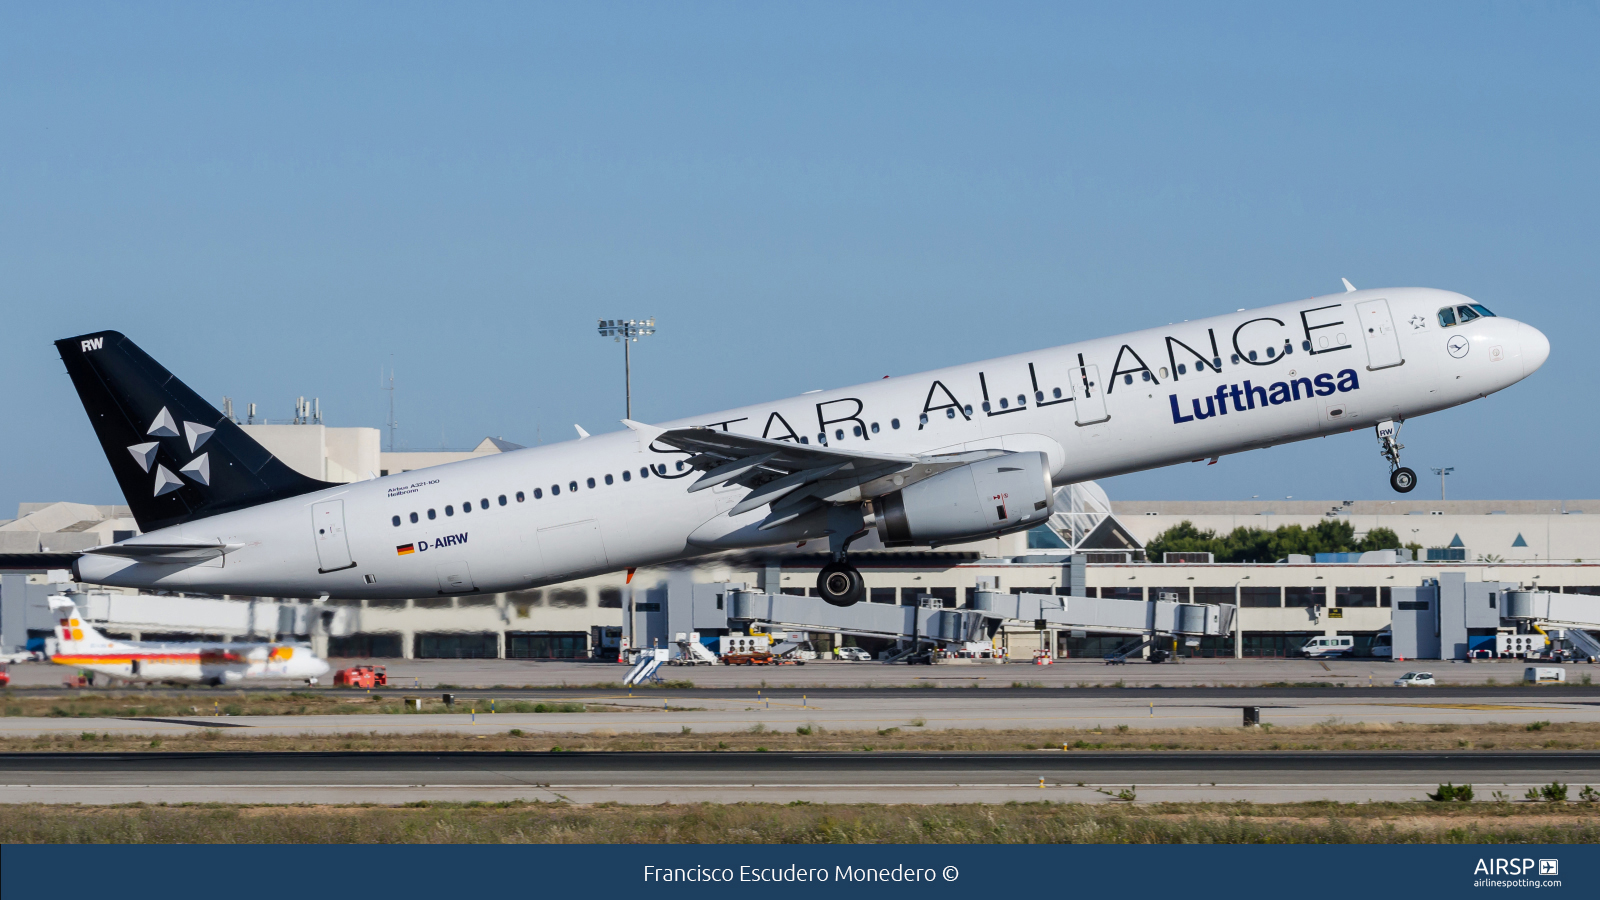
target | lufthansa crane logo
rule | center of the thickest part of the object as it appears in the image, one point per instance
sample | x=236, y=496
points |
x=1458, y=346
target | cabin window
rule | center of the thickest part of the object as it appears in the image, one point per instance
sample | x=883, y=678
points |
x=1306, y=346
x=1233, y=358
x=1022, y=400
x=1287, y=348
x=1163, y=371
x=923, y=419
x=1466, y=314
x=644, y=472
x=1145, y=374
x=521, y=498
x=396, y=521
x=590, y=483
x=466, y=507
x=838, y=433
x=483, y=502
x=555, y=490
x=950, y=413
x=538, y=493
x=874, y=427
x=609, y=479
x=1004, y=403
x=572, y=486
x=855, y=430
x=1127, y=379
x=627, y=475
x=1038, y=396
x=805, y=440
x=449, y=510
x=1057, y=393
x=413, y=518
x=1252, y=356
x=503, y=499
x=1182, y=369
x=966, y=409
x=432, y=514
x=1270, y=353
x=985, y=406
x=680, y=465
x=822, y=439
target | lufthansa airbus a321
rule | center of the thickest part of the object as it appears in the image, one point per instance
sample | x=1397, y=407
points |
x=955, y=454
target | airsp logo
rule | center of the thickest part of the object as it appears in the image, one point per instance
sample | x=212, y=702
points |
x=93, y=344
x=1549, y=867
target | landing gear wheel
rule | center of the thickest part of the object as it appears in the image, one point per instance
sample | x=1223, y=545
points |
x=1403, y=480
x=840, y=584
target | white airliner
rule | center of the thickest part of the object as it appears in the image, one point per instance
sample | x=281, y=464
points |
x=951, y=455
x=81, y=646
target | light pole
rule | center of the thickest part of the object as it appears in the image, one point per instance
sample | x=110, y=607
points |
x=1442, y=473
x=627, y=331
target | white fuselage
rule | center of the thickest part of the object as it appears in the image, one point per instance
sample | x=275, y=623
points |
x=344, y=541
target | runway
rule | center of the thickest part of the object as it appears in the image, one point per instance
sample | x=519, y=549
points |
x=882, y=777
x=671, y=711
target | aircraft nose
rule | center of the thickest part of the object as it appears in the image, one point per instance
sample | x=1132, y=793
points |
x=1535, y=348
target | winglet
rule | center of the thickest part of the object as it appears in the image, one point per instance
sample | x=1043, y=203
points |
x=581, y=433
x=647, y=433
x=1348, y=287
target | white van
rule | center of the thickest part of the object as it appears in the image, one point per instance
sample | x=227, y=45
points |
x=1544, y=675
x=1383, y=645
x=1329, y=646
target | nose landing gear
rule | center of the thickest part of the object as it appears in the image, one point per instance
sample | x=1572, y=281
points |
x=1401, y=478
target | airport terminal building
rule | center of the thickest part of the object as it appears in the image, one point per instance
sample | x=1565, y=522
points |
x=1091, y=547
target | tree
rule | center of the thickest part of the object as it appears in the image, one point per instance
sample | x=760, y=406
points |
x=1260, y=545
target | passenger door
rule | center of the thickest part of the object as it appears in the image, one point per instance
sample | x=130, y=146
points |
x=1089, y=400
x=1377, y=328
x=333, y=548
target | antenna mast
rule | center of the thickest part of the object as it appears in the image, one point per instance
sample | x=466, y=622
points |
x=391, y=423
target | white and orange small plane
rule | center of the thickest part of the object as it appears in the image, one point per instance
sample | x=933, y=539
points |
x=214, y=663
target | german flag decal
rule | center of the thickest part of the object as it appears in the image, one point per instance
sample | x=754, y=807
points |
x=403, y=549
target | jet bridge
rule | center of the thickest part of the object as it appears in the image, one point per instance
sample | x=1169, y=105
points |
x=1571, y=614
x=931, y=624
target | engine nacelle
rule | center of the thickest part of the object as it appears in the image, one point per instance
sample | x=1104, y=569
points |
x=971, y=502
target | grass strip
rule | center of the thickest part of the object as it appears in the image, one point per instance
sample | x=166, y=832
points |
x=1327, y=736
x=804, y=823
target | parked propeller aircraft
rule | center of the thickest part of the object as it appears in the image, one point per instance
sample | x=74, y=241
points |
x=81, y=646
x=951, y=455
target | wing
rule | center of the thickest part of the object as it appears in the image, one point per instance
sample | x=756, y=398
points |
x=796, y=479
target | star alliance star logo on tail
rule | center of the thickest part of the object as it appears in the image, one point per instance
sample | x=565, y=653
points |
x=198, y=469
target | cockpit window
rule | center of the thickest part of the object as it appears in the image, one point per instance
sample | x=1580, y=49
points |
x=1447, y=317
x=1466, y=313
x=1481, y=310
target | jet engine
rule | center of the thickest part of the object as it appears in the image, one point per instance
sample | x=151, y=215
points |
x=971, y=502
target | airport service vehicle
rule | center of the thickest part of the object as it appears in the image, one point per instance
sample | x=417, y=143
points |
x=1329, y=646
x=362, y=677
x=1544, y=675
x=5, y=675
x=1382, y=645
x=924, y=460
x=214, y=663
x=1415, y=679
x=852, y=654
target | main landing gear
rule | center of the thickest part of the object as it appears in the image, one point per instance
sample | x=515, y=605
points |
x=840, y=583
x=1401, y=478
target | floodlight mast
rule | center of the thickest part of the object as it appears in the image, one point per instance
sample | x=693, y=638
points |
x=1442, y=472
x=627, y=331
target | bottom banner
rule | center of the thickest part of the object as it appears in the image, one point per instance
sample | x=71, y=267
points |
x=134, y=872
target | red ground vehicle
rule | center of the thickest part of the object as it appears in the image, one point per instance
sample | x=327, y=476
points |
x=362, y=677
x=5, y=676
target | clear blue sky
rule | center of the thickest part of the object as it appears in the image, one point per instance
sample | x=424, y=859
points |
x=279, y=199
